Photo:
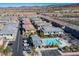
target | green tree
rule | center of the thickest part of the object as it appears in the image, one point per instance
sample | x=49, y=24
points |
x=7, y=50
x=1, y=49
x=41, y=34
x=77, y=47
x=67, y=49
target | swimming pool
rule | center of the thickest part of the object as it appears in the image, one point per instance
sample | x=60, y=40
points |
x=51, y=41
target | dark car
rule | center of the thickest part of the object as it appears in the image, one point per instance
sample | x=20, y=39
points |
x=10, y=44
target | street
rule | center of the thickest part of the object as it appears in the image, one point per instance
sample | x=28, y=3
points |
x=18, y=43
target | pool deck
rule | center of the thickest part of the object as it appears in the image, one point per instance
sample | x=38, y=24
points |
x=58, y=41
x=49, y=48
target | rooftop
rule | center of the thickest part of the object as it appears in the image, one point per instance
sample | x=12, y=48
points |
x=28, y=27
x=62, y=23
x=26, y=21
x=36, y=40
x=27, y=24
x=51, y=29
x=9, y=28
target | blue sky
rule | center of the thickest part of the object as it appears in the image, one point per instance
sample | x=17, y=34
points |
x=30, y=4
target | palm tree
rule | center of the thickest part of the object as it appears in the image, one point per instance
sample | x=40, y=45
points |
x=77, y=47
x=33, y=51
x=41, y=34
x=49, y=35
x=56, y=45
x=1, y=50
x=72, y=47
x=67, y=49
x=7, y=50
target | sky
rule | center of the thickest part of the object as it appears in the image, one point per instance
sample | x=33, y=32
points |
x=30, y=4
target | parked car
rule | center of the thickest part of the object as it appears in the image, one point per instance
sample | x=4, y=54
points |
x=26, y=49
x=25, y=44
x=10, y=44
x=25, y=41
x=25, y=53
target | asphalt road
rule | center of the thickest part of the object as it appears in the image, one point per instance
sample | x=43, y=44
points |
x=16, y=45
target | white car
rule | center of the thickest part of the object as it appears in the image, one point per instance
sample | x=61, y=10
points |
x=25, y=41
x=25, y=53
x=25, y=44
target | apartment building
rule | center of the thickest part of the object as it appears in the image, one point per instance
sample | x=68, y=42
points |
x=9, y=31
x=8, y=28
x=29, y=28
x=47, y=30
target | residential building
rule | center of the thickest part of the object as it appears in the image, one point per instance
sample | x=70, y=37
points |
x=47, y=30
x=36, y=41
x=9, y=31
x=29, y=28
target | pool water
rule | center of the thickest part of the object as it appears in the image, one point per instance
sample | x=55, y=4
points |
x=50, y=41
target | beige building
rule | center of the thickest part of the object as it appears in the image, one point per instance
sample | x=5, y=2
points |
x=29, y=28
